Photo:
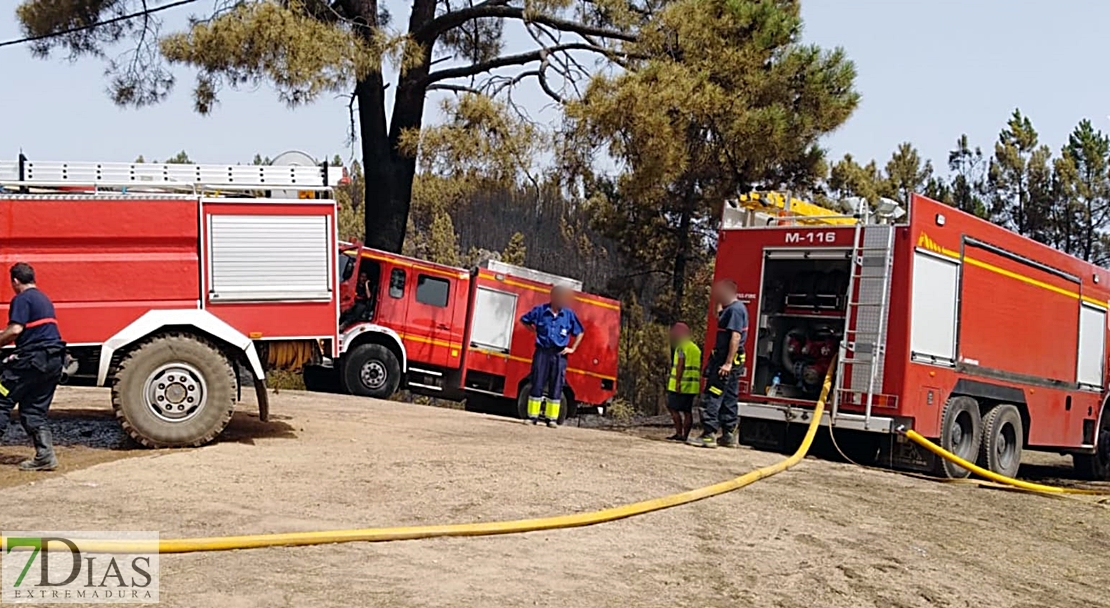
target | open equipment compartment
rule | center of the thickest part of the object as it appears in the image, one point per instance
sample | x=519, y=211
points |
x=801, y=321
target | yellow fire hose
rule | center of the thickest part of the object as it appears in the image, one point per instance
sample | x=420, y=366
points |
x=371, y=535
x=915, y=437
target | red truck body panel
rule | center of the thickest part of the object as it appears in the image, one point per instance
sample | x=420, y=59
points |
x=1015, y=304
x=106, y=260
x=591, y=370
x=434, y=310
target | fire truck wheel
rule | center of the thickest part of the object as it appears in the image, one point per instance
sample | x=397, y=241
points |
x=174, y=391
x=1003, y=435
x=371, y=370
x=960, y=433
x=522, y=404
x=1096, y=467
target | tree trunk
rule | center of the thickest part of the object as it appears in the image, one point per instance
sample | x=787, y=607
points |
x=682, y=255
x=389, y=172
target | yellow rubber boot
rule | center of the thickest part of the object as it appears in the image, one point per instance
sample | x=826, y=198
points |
x=551, y=412
x=534, y=404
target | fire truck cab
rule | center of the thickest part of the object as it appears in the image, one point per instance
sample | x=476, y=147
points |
x=974, y=336
x=453, y=333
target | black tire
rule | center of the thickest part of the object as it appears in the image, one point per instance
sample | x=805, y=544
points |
x=960, y=433
x=1003, y=438
x=321, y=379
x=371, y=370
x=1096, y=467
x=522, y=404
x=174, y=391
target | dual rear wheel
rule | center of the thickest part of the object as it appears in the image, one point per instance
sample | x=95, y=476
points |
x=994, y=441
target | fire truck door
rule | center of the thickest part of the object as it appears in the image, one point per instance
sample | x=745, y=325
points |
x=430, y=336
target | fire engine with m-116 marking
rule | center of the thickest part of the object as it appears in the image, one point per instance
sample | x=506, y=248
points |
x=976, y=337
x=453, y=333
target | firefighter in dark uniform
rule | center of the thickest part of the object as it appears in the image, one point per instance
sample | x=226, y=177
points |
x=29, y=375
x=722, y=373
x=555, y=324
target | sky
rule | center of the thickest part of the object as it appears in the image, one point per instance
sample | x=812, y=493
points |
x=929, y=70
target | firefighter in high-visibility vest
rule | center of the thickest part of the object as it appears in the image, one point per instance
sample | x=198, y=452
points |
x=684, y=381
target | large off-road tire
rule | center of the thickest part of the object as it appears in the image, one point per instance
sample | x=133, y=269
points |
x=371, y=370
x=522, y=404
x=1003, y=438
x=1096, y=467
x=174, y=391
x=960, y=433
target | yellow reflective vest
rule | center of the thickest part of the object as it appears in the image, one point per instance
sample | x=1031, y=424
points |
x=685, y=377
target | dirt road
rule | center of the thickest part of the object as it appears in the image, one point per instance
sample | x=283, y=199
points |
x=822, y=534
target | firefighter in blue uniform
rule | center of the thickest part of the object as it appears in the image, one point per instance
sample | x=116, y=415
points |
x=554, y=324
x=29, y=375
x=722, y=374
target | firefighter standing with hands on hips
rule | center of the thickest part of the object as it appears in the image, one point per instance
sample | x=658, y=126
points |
x=29, y=376
x=554, y=324
x=720, y=406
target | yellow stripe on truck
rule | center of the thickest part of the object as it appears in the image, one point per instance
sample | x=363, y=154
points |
x=928, y=244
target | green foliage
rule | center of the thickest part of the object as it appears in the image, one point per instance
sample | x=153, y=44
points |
x=515, y=252
x=644, y=360
x=349, y=199
x=906, y=174
x=284, y=44
x=181, y=158
x=725, y=99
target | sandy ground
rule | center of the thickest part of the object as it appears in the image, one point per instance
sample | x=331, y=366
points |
x=822, y=534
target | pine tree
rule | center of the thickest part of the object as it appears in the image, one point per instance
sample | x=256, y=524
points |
x=906, y=174
x=1088, y=151
x=309, y=48
x=1015, y=177
x=968, y=178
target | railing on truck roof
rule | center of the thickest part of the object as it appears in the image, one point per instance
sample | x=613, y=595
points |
x=538, y=276
x=777, y=209
x=293, y=180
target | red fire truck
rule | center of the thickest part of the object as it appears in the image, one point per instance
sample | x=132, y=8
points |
x=175, y=285
x=975, y=336
x=453, y=333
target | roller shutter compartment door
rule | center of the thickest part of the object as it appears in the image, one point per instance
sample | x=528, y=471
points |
x=268, y=257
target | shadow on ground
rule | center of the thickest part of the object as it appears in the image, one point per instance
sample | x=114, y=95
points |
x=87, y=437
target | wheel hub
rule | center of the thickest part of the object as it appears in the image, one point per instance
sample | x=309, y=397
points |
x=175, y=392
x=373, y=375
x=962, y=438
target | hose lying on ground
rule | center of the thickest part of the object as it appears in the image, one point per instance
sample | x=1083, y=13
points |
x=227, y=543
x=915, y=437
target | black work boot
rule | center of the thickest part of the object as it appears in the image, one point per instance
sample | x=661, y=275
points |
x=44, y=452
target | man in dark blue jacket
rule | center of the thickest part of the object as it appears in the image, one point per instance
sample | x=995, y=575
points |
x=554, y=324
x=30, y=374
x=722, y=373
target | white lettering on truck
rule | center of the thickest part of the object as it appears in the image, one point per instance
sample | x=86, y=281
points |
x=825, y=238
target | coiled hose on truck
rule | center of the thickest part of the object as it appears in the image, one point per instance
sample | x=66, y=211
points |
x=257, y=541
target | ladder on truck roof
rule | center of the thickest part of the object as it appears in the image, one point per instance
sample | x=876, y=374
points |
x=863, y=347
x=52, y=175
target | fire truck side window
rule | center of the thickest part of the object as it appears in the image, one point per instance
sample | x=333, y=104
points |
x=397, y=283
x=346, y=267
x=432, y=291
